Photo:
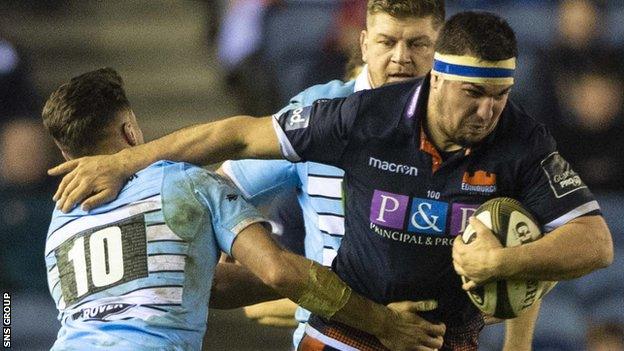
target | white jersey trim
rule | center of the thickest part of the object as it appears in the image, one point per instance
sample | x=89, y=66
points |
x=331, y=224
x=328, y=256
x=327, y=340
x=577, y=212
x=287, y=149
x=362, y=81
x=160, y=232
x=328, y=187
x=166, y=263
x=246, y=223
x=61, y=235
x=145, y=296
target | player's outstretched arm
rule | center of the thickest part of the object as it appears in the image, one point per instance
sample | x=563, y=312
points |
x=97, y=179
x=576, y=248
x=319, y=290
x=235, y=286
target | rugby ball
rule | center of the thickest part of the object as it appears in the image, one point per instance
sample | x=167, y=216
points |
x=513, y=225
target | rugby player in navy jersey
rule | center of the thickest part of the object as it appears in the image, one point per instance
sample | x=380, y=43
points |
x=397, y=45
x=135, y=274
x=419, y=158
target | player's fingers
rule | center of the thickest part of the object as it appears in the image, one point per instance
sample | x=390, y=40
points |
x=434, y=342
x=64, y=182
x=477, y=225
x=458, y=242
x=458, y=268
x=469, y=285
x=421, y=306
x=436, y=330
x=98, y=199
x=76, y=194
x=67, y=189
x=491, y=320
x=63, y=168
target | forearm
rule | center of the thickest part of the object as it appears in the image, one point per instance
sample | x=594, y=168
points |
x=235, y=286
x=519, y=331
x=231, y=138
x=568, y=252
x=323, y=285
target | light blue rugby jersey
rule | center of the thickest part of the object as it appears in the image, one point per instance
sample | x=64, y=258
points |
x=135, y=274
x=321, y=186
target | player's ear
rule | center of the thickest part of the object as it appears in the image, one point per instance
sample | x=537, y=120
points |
x=364, y=45
x=131, y=134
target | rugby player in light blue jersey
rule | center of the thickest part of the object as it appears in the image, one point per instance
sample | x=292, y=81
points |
x=397, y=45
x=135, y=274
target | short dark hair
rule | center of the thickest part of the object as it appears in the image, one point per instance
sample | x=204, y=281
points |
x=409, y=8
x=480, y=34
x=79, y=112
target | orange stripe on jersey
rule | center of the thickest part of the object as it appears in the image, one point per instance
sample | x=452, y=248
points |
x=480, y=178
x=309, y=343
x=427, y=146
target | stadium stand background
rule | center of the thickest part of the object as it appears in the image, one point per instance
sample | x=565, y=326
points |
x=172, y=58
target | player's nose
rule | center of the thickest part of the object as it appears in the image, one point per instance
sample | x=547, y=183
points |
x=400, y=53
x=485, y=110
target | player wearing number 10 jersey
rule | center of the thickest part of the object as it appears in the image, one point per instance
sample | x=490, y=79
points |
x=136, y=273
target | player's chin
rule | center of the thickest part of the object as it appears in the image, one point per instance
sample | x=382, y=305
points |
x=399, y=78
x=470, y=139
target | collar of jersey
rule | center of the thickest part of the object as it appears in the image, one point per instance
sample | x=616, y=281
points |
x=362, y=82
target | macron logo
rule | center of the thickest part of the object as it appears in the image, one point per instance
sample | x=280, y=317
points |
x=393, y=167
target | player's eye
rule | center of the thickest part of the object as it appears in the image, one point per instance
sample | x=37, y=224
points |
x=420, y=44
x=501, y=96
x=387, y=43
x=473, y=93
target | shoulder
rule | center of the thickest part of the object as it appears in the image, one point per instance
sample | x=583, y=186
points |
x=520, y=125
x=333, y=89
x=520, y=133
x=395, y=95
x=197, y=177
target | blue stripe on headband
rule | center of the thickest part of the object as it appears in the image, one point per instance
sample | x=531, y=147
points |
x=470, y=71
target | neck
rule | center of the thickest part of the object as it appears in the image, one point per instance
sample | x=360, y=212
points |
x=100, y=150
x=370, y=79
x=433, y=131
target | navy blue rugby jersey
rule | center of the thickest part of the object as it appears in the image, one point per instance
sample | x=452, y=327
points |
x=404, y=205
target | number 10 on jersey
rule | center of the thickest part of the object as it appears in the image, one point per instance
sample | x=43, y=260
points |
x=102, y=258
x=106, y=251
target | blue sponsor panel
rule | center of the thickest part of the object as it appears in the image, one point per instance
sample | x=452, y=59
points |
x=427, y=217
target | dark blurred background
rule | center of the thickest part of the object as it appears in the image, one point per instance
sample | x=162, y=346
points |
x=189, y=62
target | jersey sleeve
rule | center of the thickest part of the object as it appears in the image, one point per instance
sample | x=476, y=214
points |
x=261, y=180
x=549, y=186
x=318, y=132
x=230, y=212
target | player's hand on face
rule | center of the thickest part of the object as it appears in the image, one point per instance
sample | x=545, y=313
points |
x=91, y=180
x=409, y=331
x=477, y=260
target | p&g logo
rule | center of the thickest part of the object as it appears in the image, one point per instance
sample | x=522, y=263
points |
x=394, y=211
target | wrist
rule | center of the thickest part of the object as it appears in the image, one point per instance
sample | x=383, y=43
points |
x=501, y=261
x=128, y=164
x=385, y=319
